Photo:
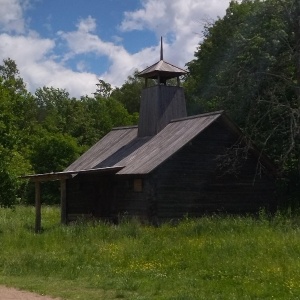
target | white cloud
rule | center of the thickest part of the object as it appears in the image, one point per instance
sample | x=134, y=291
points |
x=49, y=73
x=172, y=15
x=150, y=16
x=87, y=25
x=122, y=63
x=11, y=16
x=81, y=66
x=35, y=60
x=179, y=21
x=25, y=48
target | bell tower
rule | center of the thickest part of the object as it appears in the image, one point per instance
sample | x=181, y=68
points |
x=160, y=103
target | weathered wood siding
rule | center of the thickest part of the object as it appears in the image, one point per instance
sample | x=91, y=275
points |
x=130, y=202
x=90, y=195
x=107, y=197
x=159, y=105
x=189, y=183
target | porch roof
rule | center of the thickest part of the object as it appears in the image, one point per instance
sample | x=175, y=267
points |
x=68, y=174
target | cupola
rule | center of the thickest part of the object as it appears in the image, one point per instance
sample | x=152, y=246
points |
x=162, y=70
x=160, y=103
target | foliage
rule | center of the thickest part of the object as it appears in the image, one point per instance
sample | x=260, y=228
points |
x=16, y=126
x=104, y=89
x=218, y=257
x=8, y=182
x=9, y=75
x=52, y=153
x=129, y=94
x=248, y=64
x=47, y=131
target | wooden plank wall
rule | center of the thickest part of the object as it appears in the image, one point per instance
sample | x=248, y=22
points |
x=159, y=105
x=106, y=197
x=130, y=202
x=90, y=195
x=188, y=183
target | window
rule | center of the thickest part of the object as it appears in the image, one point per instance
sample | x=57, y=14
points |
x=138, y=185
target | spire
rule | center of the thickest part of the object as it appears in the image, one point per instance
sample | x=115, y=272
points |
x=162, y=71
x=161, y=49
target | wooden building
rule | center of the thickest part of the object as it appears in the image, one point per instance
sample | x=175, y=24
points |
x=168, y=166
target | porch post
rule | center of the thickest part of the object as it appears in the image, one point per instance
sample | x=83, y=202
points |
x=63, y=201
x=37, y=207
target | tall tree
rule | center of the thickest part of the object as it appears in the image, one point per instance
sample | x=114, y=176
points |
x=16, y=127
x=249, y=65
x=10, y=76
x=129, y=94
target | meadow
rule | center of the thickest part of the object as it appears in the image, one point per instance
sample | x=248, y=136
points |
x=214, y=257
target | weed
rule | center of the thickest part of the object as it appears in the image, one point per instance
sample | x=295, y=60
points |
x=214, y=257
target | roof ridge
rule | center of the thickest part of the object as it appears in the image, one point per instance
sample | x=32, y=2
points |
x=125, y=127
x=220, y=112
x=156, y=66
x=175, y=66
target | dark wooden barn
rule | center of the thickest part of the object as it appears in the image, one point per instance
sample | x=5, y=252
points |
x=168, y=175
x=168, y=166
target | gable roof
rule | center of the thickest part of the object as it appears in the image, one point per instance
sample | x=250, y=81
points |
x=141, y=155
x=115, y=140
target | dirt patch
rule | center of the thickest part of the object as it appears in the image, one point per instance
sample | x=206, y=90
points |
x=15, y=294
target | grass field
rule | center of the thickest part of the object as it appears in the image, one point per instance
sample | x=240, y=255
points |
x=209, y=258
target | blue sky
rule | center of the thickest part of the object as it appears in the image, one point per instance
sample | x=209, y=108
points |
x=70, y=44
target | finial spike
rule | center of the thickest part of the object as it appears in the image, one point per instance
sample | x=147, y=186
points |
x=161, y=49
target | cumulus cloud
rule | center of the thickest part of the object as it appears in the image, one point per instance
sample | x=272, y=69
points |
x=172, y=16
x=38, y=67
x=122, y=63
x=180, y=22
x=87, y=25
x=11, y=16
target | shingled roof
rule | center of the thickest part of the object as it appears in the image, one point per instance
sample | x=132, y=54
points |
x=140, y=155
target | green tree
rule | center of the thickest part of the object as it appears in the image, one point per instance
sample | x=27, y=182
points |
x=11, y=79
x=248, y=64
x=108, y=113
x=54, y=107
x=16, y=128
x=104, y=89
x=129, y=94
x=52, y=153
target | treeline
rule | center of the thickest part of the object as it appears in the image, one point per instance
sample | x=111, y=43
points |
x=46, y=131
x=247, y=64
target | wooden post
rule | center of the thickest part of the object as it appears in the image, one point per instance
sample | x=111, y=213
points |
x=63, y=201
x=37, y=207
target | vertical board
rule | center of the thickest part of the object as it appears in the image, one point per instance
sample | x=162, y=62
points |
x=159, y=105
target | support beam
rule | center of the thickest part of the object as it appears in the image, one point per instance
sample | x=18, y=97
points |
x=63, y=201
x=38, y=205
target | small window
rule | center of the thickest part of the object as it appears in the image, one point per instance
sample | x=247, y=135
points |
x=138, y=185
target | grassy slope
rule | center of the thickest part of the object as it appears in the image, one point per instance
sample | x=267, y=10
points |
x=209, y=258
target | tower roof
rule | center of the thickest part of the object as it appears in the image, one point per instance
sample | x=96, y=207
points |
x=162, y=69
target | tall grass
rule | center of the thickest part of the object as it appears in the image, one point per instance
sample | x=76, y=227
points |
x=208, y=258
